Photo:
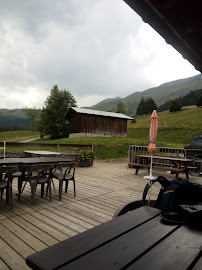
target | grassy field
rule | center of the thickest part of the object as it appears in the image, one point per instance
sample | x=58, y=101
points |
x=175, y=130
x=17, y=135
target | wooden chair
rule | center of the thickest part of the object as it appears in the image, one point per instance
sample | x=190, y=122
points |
x=68, y=175
x=6, y=183
x=37, y=175
x=132, y=206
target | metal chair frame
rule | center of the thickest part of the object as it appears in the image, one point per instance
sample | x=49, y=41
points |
x=68, y=175
x=6, y=183
x=37, y=174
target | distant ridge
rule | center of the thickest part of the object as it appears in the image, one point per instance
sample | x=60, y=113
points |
x=161, y=94
x=112, y=104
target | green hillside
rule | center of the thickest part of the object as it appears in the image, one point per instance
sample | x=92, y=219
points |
x=175, y=130
x=160, y=94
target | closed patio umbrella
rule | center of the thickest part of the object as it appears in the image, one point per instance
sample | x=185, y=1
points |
x=152, y=136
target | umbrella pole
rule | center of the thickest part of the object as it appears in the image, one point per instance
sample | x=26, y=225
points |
x=151, y=166
x=150, y=177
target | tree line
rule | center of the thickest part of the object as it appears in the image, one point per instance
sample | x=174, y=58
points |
x=192, y=98
x=145, y=106
x=8, y=123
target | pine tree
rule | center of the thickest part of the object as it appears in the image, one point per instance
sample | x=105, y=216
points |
x=121, y=108
x=175, y=106
x=150, y=105
x=53, y=120
x=141, y=107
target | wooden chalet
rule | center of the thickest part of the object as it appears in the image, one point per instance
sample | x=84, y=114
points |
x=93, y=123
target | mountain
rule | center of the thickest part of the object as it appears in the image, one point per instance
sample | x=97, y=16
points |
x=160, y=94
x=108, y=105
x=17, y=118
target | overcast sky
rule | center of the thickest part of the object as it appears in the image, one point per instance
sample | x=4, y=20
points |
x=94, y=48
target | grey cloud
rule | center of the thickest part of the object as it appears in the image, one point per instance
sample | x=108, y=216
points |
x=91, y=47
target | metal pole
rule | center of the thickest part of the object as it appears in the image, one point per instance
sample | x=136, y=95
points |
x=151, y=166
x=150, y=177
x=4, y=150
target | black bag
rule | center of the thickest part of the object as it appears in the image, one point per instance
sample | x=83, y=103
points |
x=175, y=193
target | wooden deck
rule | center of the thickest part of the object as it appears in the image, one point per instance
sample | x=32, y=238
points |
x=101, y=189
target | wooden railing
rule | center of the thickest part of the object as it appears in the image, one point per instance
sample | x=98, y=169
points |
x=76, y=148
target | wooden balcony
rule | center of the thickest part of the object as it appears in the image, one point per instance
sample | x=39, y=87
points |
x=101, y=189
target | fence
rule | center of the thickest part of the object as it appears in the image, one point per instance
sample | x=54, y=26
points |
x=76, y=148
x=160, y=151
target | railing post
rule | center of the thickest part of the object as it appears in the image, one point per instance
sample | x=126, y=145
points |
x=4, y=150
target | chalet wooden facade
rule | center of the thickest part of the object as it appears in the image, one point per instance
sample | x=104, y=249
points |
x=92, y=123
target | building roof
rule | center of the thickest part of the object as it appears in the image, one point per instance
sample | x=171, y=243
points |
x=101, y=113
x=177, y=21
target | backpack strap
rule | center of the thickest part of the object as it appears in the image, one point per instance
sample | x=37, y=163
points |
x=162, y=180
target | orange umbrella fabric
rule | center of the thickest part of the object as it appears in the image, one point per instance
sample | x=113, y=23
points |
x=153, y=133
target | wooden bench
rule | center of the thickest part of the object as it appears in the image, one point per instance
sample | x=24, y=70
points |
x=169, y=166
x=137, y=166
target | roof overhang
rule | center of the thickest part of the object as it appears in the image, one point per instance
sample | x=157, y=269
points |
x=177, y=21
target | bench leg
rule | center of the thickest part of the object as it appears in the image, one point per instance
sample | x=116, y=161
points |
x=186, y=171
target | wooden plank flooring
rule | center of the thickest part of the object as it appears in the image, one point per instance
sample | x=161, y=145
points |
x=101, y=189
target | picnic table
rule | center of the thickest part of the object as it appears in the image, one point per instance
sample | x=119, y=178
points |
x=174, y=164
x=140, y=239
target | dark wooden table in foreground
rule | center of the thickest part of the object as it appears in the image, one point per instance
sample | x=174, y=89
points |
x=140, y=239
